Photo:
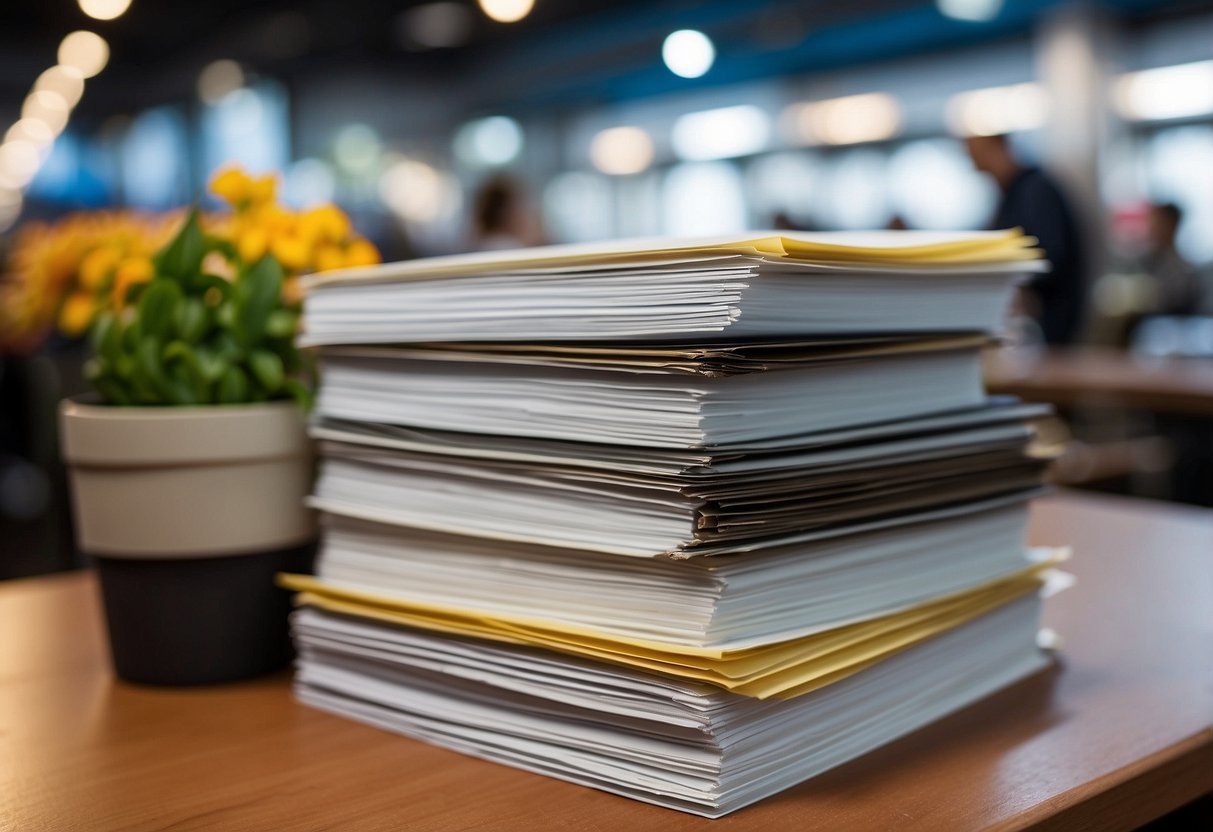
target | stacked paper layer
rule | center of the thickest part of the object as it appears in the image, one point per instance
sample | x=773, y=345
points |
x=685, y=521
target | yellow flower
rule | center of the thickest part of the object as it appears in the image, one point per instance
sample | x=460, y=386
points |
x=291, y=250
x=326, y=223
x=252, y=244
x=329, y=257
x=98, y=266
x=361, y=253
x=261, y=190
x=292, y=291
x=232, y=185
x=131, y=271
x=77, y=313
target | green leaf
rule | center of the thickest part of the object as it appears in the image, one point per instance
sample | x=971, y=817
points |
x=94, y=369
x=211, y=363
x=183, y=255
x=281, y=323
x=130, y=335
x=260, y=290
x=133, y=293
x=226, y=347
x=301, y=393
x=267, y=369
x=149, y=372
x=191, y=320
x=179, y=391
x=201, y=283
x=225, y=316
x=183, y=383
x=124, y=367
x=114, y=391
x=106, y=337
x=227, y=248
x=233, y=387
x=158, y=308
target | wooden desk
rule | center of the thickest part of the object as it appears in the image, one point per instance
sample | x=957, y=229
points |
x=1117, y=735
x=1100, y=377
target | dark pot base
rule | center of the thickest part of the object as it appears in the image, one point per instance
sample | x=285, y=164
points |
x=197, y=621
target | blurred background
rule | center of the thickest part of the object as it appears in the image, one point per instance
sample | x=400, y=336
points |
x=457, y=125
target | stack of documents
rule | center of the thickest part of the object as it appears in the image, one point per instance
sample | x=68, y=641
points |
x=685, y=521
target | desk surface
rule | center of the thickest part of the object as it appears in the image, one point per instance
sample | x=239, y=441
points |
x=1103, y=377
x=1117, y=734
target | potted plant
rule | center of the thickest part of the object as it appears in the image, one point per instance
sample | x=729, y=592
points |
x=189, y=467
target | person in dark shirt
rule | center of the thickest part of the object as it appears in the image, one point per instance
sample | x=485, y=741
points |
x=1177, y=286
x=1033, y=202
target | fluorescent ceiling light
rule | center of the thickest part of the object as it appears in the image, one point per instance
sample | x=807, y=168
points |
x=722, y=133
x=995, y=111
x=1179, y=91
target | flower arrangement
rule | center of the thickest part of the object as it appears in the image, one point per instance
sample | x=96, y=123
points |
x=62, y=274
x=214, y=320
x=207, y=317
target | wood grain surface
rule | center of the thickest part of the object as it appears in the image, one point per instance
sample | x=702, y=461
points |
x=1095, y=377
x=1118, y=733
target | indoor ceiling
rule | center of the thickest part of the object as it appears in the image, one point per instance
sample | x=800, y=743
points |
x=564, y=52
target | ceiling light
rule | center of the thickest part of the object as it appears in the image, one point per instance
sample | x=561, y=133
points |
x=621, y=151
x=973, y=11
x=996, y=111
x=868, y=117
x=434, y=26
x=1180, y=91
x=19, y=161
x=688, y=53
x=357, y=148
x=47, y=107
x=506, y=11
x=31, y=129
x=104, y=9
x=86, y=51
x=417, y=192
x=64, y=80
x=492, y=141
x=218, y=79
x=722, y=133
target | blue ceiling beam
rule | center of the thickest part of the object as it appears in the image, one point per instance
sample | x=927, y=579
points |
x=541, y=73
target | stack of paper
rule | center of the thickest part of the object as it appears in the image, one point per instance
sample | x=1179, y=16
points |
x=688, y=522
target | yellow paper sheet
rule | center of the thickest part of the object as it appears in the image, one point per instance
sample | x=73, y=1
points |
x=781, y=669
x=856, y=249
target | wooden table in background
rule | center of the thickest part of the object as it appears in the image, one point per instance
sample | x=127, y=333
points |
x=1117, y=734
x=1104, y=378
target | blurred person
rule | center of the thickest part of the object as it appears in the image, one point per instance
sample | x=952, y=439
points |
x=503, y=218
x=782, y=221
x=1177, y=288
x=1034, y=202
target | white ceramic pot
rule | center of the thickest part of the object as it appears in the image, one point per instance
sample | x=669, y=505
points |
x=190, y=512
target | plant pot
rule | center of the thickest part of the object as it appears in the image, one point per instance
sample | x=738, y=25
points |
x=189, y=513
